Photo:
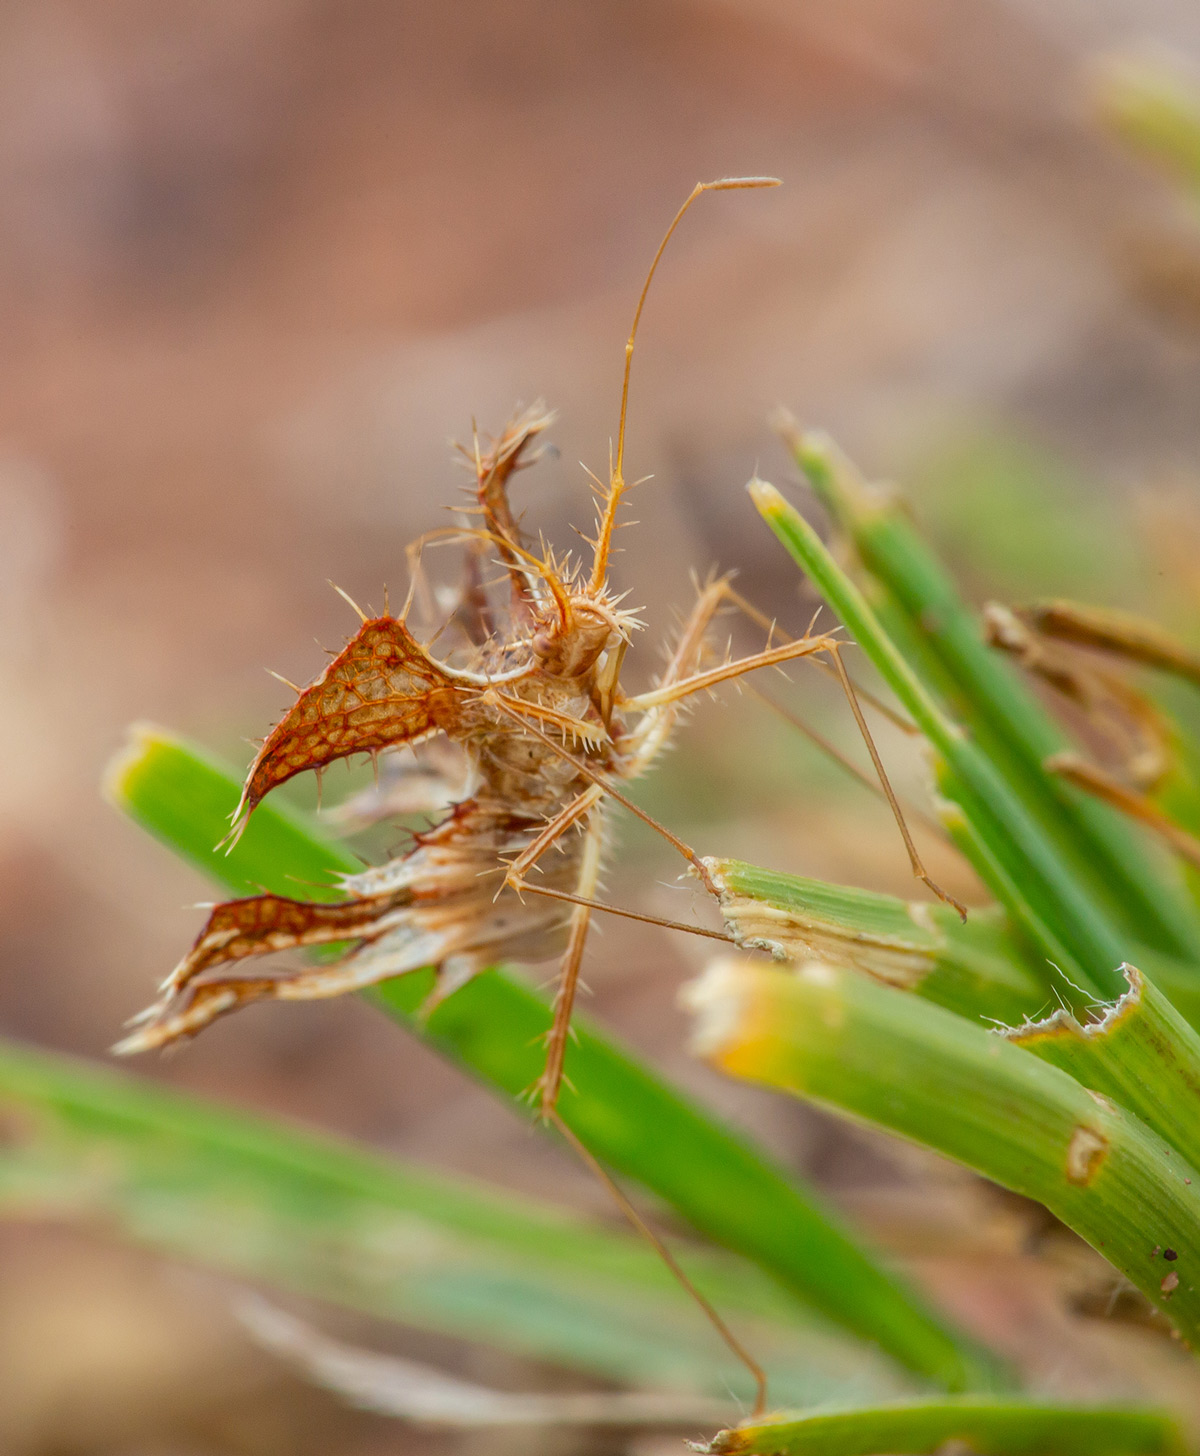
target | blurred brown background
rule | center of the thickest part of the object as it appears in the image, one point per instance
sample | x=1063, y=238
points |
x=260, y=261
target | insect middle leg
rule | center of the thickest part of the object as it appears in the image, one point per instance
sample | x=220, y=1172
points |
x=551, y=834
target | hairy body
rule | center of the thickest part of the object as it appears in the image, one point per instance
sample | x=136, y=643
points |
x=534, y=703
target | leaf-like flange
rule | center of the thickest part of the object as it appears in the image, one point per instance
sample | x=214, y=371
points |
x=382, y=690
x=264, y=924
x=260, y=925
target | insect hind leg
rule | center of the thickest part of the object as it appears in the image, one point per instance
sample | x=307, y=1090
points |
x=670, y=694
x=549, y=1084
x=918, y=867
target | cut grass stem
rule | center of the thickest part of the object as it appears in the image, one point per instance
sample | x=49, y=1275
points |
x=983, y=1427
x=836, y=1037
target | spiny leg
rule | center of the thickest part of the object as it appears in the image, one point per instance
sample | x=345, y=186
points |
x=686, y=658
x=675, y=692
x=550, y=1082
x=699, y=682
x=551, y=834
x=555, y=828
x=690, y=648
x=656, y=728
x=748, y=609
x=872, y=785
x=853, y=694
x=515, y=876
x=570, y=899
x=639, y=1223
x=666, y=696
x=686, y=655
x=673, y=689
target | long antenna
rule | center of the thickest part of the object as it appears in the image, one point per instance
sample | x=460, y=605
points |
x=616, y=484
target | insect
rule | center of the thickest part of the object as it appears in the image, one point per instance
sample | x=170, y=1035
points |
x=531, y=697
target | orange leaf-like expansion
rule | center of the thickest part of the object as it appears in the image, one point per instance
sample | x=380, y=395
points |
x=435, y=905
x=263, y=924
x=382, y=690
x=259, y=926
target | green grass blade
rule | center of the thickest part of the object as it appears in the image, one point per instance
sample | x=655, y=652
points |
x=1177, y=980
x=106, y=1152
x=1154, y=110
x=1000, y=869
x=181, y=795
x=976, y=969
x=720, y=1184
x=1177, y=793
x=915, y=1069
x=632, y=1120
x=1142, y=1054
x=1004, y=718
x=984, y=1427
x=996, y=813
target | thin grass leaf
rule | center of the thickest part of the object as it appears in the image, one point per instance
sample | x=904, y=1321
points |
x=219, y=1187
x=984, y=1427
x=413, y=1392
x=180, y=794
x=1005, y=720
x=1000, y=869
x=915, y=1069
x=1179, y=796
x=976, y=969
x=642, y=1128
